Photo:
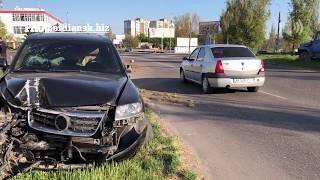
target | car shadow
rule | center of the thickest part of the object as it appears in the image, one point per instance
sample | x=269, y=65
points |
x=174, y=85
x=275, y=116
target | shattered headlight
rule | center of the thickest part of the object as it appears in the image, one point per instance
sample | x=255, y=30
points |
x=128, y=111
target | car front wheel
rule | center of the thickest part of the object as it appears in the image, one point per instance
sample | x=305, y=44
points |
x=183, y=77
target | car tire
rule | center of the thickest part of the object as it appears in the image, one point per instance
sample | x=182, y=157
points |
x=206, y=88
x=304, y=56
x=253, y=89
x=183, y=77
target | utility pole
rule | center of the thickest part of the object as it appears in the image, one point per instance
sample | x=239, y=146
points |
x=278, y=35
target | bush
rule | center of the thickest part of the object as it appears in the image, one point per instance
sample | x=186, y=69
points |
x=131, y=42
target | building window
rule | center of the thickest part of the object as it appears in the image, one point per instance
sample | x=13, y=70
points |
x=16, y=17
x=28, y=17
x=41, y=17
x=19, y=29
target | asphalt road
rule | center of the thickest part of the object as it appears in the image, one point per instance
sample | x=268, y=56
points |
x=272, y=134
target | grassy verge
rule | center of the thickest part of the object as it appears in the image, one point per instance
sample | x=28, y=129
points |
x=290, y=61
x=158, y=160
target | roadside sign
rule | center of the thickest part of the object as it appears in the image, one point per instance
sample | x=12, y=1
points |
x=161, y=32
x=210, y=27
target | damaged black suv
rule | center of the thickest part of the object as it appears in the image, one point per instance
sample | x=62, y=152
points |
x=66, y=100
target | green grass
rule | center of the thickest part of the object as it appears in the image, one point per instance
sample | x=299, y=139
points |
x=289, y=60
x=157, y=160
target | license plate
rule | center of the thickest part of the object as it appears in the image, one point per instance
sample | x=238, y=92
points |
x=243, y=81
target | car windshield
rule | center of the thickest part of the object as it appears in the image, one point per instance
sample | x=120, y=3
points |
x=67, y=56
x=229, y=52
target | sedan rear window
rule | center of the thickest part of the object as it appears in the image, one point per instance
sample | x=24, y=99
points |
x=228, y=52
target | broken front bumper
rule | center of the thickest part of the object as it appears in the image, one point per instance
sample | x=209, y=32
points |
x=55, y=137
x=87, y=133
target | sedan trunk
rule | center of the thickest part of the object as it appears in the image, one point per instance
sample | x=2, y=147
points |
x=241, y=66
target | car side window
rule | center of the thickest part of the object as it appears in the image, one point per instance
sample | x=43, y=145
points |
x=194, y=54
x=202, y=54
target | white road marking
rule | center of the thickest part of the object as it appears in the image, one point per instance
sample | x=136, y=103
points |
x=270, y=94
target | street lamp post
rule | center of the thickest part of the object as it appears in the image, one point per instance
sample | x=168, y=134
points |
x=277, y=41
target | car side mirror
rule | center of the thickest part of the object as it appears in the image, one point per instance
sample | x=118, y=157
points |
x=129, y=69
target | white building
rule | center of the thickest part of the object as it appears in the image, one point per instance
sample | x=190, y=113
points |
x=18, y=21
x=136, y=26
x=118, y=41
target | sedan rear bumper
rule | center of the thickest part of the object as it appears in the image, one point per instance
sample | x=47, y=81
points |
x=236, y=82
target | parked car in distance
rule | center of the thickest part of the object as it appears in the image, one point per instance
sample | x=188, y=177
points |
x=223, y=66
x=310, y=50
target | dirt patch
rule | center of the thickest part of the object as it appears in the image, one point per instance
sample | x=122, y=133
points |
x=164, y=97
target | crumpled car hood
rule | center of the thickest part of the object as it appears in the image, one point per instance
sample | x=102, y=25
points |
x=69, y=89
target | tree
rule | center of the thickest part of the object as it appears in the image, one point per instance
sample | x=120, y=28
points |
x=156, y=42
x=131, y=42
x=186, y=25
x=110, y=35
x=272, y=35
x=244, y=22
x=302, y=21
x=316, y=17
x=3, y=30
x=269, y=44
x=143, y=38
x=272, y=39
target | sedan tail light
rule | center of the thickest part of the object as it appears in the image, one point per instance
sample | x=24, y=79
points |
x=261, y=66
x=219, y=67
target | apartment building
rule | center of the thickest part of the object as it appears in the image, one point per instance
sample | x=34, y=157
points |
x=136, y=26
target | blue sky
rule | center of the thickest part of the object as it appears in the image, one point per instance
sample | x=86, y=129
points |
x=113, y=12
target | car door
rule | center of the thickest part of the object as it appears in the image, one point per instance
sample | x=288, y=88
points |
x=198, y=64
x=316, y=46
x=189, y=64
